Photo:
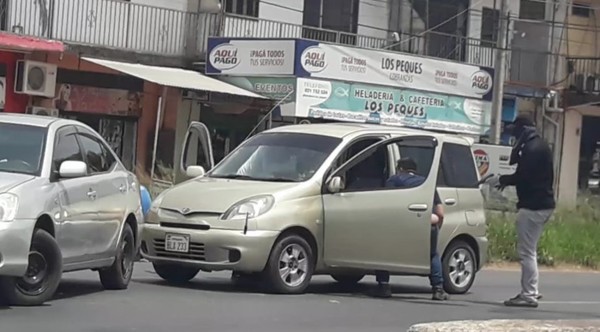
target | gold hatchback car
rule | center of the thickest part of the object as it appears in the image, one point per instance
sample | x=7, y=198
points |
x=301, y=200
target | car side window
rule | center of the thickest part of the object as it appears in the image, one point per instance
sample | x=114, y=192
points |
x=95, y=154
x=457, y=167
x=66, y=148
x=373, y=173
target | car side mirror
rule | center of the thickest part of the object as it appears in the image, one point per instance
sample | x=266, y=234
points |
x=335, y=185
x=195, y=171
x=72, y=169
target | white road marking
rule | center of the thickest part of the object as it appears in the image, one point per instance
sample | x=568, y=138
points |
x=569, y=302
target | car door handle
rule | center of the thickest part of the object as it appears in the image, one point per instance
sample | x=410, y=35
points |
x=91, y=194
x=450, y=201
x=418, y=207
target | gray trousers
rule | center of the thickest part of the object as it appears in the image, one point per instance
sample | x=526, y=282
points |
x=530, y=225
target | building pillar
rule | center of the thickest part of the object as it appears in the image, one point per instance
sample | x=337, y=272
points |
x=569, y=170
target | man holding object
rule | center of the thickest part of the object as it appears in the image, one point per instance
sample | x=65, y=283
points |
x=534, y=181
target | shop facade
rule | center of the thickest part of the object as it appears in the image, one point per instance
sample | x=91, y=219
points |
x=325, y=82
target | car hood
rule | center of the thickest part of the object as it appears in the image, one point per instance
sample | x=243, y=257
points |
x=11, y=180
x=212, y=195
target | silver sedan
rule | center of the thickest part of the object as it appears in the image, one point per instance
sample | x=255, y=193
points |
x=66, y=203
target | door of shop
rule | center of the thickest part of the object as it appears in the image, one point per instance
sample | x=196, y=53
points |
x=120, y=133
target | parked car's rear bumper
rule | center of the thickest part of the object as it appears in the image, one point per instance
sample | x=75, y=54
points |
x=15, y=241
x=482, y=244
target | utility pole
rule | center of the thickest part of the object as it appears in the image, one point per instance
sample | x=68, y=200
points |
x=500, y=70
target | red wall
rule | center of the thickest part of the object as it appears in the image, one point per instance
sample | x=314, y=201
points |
x=15, y=103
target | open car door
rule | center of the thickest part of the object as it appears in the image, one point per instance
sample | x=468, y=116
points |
x=375, y=227
x=197, y=155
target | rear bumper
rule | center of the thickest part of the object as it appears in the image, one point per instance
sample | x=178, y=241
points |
x=212, y=250
x=482, y=244
x=15, y=241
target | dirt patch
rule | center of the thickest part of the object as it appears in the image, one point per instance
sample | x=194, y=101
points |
x=510, y=266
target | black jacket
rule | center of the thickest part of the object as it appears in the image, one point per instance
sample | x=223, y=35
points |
x=534, y=177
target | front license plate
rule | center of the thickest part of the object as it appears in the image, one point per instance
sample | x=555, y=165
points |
x=177, y=243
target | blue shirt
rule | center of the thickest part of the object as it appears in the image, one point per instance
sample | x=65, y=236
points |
x=410, y=180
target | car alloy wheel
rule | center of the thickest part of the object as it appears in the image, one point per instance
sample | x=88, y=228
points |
x=293, y=265
x=461, y=267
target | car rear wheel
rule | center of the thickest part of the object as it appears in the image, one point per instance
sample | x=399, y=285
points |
x=347, y=279
x=42, y=277
x=175, y=274
x=459, y=266
x=290, y=266
x=119, y=274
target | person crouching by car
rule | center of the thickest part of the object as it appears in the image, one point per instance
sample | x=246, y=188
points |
x=406, y=177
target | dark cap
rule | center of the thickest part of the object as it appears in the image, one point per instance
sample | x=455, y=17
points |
x=522, y=120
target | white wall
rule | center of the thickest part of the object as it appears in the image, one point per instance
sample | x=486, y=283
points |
x=281, y=13
x=373, y=18
x=170, y=4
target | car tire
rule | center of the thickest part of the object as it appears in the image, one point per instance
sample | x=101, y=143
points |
x=175, y=274
x=118, y=275
x=347, y=279
x=43, y=275
x=459, y=266
x=294, y=251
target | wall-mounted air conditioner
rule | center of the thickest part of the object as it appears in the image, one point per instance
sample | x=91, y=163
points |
x=35, y=78
x=35, y=110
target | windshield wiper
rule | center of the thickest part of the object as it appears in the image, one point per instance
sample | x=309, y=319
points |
x=233, y=176
x=277, y=179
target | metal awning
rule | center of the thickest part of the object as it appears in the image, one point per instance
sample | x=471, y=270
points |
x=174, y=77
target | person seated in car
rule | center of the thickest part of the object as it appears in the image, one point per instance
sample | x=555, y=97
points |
x=407, y=177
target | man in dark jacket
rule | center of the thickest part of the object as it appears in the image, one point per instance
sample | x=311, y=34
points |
x=534, y=181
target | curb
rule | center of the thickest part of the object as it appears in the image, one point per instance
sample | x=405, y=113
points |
x=503, y=325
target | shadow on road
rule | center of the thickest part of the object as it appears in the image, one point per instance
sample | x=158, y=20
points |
x=362, y=290
x=75, y=288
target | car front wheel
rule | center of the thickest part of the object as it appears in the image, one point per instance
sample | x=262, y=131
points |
x=459, y=266
x=290, y=266
x=175, y=274
x=42, y=277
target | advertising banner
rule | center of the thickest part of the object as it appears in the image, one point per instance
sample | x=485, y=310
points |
x=275, y=88
x=384, y=105
x=343, y=63
x=247, y=57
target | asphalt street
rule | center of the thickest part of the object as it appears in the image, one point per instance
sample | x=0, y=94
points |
x=212, y=303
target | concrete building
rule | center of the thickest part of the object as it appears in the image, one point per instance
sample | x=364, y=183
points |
x=175, y=33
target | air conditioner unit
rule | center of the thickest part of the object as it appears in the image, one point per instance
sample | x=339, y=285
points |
x=35, y=110
x=35, y=78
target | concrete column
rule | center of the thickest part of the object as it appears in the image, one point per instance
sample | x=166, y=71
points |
x=569, y=170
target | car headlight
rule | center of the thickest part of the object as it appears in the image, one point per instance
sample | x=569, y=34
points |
x=152, y=215
x=249, y=208
x=9, y=204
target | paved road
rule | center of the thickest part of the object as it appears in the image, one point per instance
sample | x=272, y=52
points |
x=211, y=303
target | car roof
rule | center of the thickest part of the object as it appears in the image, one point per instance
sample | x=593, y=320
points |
x=343, y=129
x=33, y=120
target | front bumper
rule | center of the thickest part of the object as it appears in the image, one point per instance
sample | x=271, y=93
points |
x=211, y=250
x=15, y=242
x=482, y=244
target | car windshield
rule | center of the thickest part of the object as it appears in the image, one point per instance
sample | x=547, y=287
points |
x=285, y=157
x=21, y=148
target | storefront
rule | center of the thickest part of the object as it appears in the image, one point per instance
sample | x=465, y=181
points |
x=110, y=104
x=340, y=83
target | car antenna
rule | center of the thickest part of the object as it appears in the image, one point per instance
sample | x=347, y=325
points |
x=246, y=224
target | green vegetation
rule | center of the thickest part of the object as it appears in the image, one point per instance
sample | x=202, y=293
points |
x=570, y=237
